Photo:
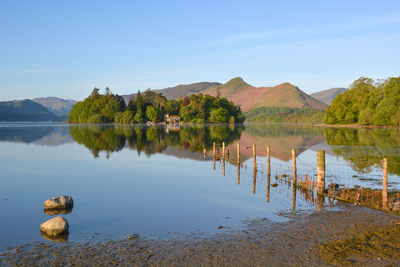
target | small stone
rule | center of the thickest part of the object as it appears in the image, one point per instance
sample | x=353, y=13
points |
x=55, y=226
x=64, y=202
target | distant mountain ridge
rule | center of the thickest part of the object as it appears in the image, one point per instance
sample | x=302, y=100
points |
x=56, y=105
x=180, y=90
x=25, y=110
x=246, y=95
x=327, y=96
x=249, y=97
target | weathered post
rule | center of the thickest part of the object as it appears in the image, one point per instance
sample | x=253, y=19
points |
x=223, y=167
x=213, y=149
x=294, y=197
x=238, y=153
x=385, y=181
x=204, y=153
x=268, y=161
x=254, y=180
x=294, y=166
x=321, y=172
x=223, y=149
x=254, y=157
x=268, y=185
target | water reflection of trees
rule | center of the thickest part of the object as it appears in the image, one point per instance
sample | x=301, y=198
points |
x=283, y=130
x=373, y=145
x=153, y=139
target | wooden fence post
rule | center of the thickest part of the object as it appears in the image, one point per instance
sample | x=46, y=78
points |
x=385, y=181
x=223, y=167
x=204, y=153
x=254, y=157
x=238, y=153
x=238, y=174
x=321, y=172
x=268, y=161
x=223, y=149
x=294, y=166
x=294, y=197
x=254, y=180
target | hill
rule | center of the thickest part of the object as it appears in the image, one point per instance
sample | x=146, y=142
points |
x=58, y=106
x=250, y=97
x=327, y=96
x=180, y=90
x=25, y=110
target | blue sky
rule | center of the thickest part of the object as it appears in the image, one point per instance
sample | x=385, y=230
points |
x=65, y=48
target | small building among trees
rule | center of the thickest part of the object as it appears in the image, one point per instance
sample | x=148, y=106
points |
x=172, y=119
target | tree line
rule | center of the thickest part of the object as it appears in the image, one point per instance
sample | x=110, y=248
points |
x=285, y=114
x=152, y=106
x=367, y=102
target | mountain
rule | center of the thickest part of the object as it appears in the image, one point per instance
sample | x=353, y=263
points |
x=58, y=106
x=249, y=97
x=327, y=96
x=180, y=90
x=25, y=110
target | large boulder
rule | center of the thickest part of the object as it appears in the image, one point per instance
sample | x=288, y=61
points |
x=55, y=226
x=64, y=202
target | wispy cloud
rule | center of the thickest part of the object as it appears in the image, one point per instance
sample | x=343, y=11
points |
x=301, y=31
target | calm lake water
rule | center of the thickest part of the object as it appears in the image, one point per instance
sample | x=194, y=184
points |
x=156, y=181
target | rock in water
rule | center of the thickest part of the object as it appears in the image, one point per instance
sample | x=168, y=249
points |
x=64, y=202
x=55, y=226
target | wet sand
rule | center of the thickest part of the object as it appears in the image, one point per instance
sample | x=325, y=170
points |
x=306, y=240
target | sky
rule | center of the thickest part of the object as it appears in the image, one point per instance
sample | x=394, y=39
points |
x=66, y=48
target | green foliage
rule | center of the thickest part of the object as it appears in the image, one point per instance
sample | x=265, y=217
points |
x=124, y=117
x=153, y=113
x=367, y=103
x=98, y=108
x=218, y=115
x=284, y=114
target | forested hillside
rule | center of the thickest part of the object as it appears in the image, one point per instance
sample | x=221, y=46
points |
x=367, y=103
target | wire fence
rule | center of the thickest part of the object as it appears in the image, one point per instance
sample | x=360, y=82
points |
x=338, y=174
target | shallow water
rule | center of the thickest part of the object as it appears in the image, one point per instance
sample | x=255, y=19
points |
x=155, y=180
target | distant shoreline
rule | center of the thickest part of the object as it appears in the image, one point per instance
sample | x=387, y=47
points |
x=356, y=126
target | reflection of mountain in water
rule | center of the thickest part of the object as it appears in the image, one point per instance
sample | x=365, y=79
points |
x=40, y=135
x=190, y=140
x=281, y=138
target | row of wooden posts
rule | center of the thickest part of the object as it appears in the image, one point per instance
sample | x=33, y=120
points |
x=320, y=168
x=320, y=163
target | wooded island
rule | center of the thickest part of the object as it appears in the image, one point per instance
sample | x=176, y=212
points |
x=152, y=106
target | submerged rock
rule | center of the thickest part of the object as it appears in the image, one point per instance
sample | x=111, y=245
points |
x=55, y=227
x=64, y=202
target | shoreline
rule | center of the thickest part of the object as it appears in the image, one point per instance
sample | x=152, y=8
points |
x=261, y=243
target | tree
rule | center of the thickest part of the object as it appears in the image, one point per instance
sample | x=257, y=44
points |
x=186, y=101
x=218, y=115
x=153, y=113
x=95, y=92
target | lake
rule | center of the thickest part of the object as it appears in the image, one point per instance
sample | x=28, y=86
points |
x=156, y=181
